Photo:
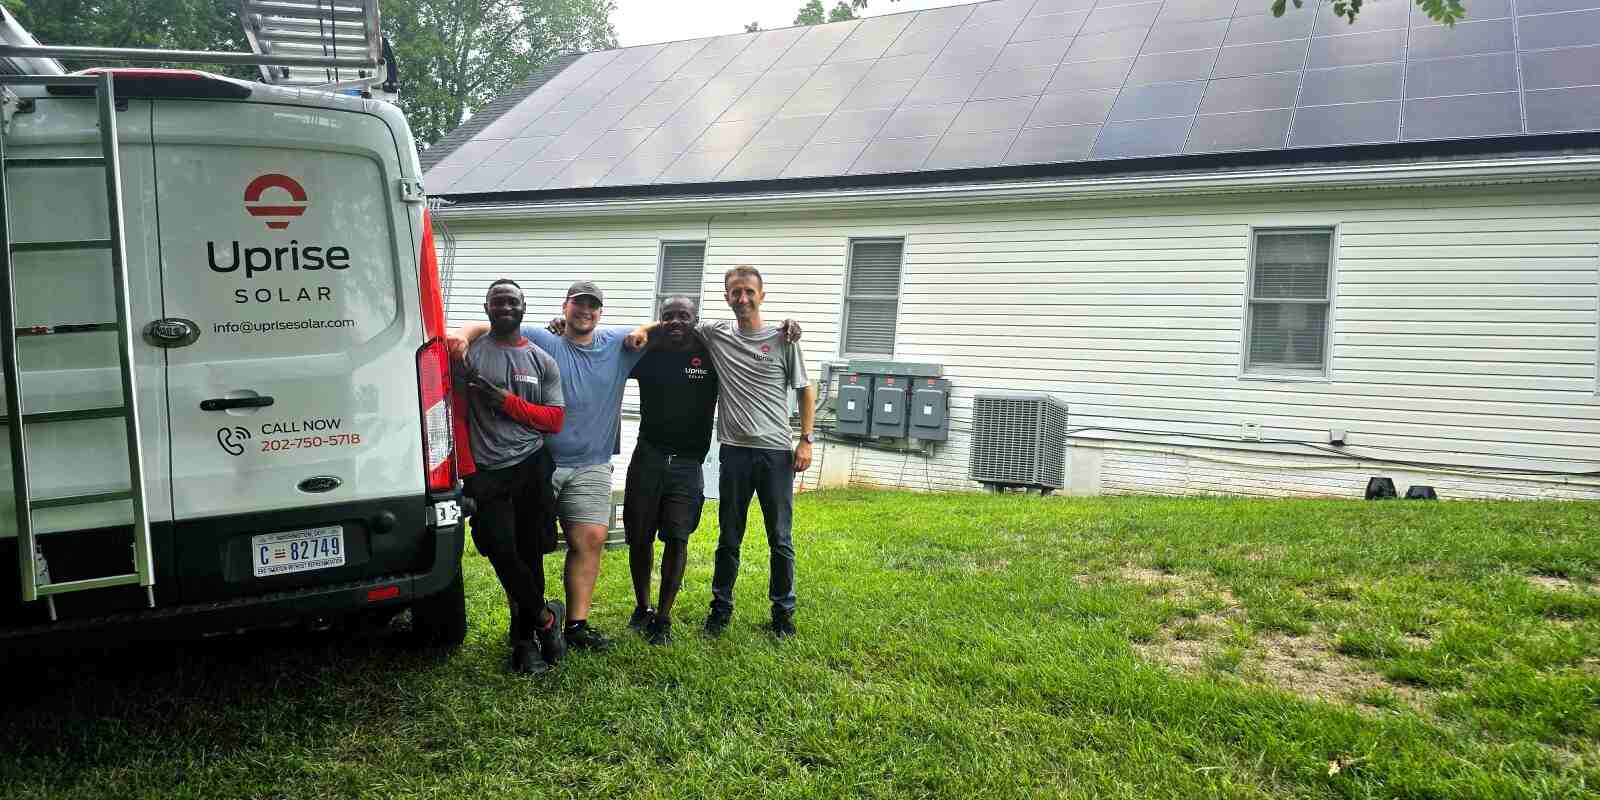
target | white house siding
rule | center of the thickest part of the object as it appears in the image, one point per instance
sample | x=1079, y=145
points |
x=1464, y=328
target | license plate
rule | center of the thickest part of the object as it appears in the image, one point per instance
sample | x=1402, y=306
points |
x=297, y=551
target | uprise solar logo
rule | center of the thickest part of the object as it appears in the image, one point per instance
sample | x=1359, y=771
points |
x=275, y=212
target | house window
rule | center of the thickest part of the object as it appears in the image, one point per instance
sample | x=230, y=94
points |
x=683, y=266
x=872, y=296
x=1290, y=299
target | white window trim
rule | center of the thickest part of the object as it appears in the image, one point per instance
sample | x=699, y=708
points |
x=844, y=302
x=661, y=271
x=1325, y=375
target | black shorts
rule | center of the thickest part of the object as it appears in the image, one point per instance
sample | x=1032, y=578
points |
x=508, y=503
x=664, y=495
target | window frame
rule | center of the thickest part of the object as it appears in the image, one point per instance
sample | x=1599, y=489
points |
x=847, y=296
x=661, y=271
x=1325, y=372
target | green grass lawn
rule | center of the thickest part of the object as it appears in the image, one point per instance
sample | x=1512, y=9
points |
x=961, y=646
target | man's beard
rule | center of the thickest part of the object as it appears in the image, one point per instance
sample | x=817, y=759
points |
x=504, y=326
x=676, y=342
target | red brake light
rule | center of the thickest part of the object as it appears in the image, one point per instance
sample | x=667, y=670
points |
x=438, y=432
x=432, y=292
x=385, y=593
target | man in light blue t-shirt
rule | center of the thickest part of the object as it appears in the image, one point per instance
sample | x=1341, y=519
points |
x=594, y=364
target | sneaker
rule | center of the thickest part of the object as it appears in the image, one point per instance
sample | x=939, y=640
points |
x=525, y=659
x=659, y=631
x=584, y=636
x=641, y=619
x=551, y=641
x=783, y=624
x=717, y=622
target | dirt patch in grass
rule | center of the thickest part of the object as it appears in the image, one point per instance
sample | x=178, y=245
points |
x=1307, y=666
x=1557, y=583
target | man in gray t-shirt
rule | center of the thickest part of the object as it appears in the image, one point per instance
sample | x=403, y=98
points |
x=528, y=373
x=514, y=400
x=757, y=369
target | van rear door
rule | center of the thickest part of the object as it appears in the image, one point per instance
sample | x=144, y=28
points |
x=295, y=429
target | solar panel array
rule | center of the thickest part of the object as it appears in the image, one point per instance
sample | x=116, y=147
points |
x=1039, y=81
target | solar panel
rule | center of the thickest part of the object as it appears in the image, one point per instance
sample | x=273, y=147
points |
x=1038, y=81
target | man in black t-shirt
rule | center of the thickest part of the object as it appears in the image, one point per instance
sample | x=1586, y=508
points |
x=665, y=489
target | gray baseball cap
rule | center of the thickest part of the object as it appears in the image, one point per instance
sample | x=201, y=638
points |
x=582, y=288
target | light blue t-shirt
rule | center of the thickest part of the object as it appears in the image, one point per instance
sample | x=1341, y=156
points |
x=592, y=380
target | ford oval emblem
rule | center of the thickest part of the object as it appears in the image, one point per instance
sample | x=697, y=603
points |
x=321, y=483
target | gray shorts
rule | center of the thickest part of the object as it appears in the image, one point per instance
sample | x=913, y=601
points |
x=583, y=494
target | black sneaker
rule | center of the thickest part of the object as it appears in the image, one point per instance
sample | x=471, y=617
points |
x=659, y=631
x=525, y=659
x=783, y=624
x=641, y=619
x=584, y=636
x=551, y=642
x=717, y=622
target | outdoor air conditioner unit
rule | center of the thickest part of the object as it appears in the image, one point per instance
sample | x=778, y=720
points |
x=1019, y=440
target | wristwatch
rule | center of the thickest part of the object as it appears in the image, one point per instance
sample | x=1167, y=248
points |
x=808, y=438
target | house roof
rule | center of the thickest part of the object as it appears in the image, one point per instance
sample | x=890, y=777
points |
x=1023, y=84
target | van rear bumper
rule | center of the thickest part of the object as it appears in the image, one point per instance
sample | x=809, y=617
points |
x=273, y=608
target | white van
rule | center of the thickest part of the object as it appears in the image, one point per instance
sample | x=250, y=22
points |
x=250, y=425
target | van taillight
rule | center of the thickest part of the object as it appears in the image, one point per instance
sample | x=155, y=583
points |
x=438, y=436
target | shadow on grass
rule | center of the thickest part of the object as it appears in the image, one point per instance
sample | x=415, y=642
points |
x=88, y=707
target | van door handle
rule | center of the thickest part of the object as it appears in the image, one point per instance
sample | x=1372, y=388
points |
x=225, y=403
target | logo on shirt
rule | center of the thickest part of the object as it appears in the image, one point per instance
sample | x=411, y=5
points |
x=694, y=362
x=695, y=370
x=523, y=377
x=766, y=352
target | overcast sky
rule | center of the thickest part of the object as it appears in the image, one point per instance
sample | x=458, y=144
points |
x=651, y=21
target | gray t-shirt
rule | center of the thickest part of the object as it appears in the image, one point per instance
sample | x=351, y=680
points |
x=499, y=441
x=753, y=406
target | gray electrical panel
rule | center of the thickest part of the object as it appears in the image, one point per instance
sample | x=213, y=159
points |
x=889, y=399
x=930, y=409
x=853, y=408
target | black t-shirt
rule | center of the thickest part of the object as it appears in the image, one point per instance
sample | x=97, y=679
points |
x=677, y=394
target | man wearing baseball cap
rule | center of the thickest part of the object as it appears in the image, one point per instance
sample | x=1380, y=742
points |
x=594, y=364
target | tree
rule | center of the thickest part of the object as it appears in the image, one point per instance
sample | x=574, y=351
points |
x=812, y=12
x=163, y=24
x=457, y=55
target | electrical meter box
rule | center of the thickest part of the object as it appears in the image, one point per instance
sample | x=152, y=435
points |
x=853, y=409
x=889, y=406
x=930, y=409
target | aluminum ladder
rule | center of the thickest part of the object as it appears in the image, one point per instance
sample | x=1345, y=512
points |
x=313, y=29
x=35, y=580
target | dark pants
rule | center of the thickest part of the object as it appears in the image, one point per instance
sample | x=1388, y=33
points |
x=664, y=495
x=769, y=476
x=502, y=529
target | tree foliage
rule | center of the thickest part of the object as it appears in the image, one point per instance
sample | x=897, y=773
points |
x=457, y=55
x=812, y=12
x=1448, y=12
x=163, y=24
x=454, y=55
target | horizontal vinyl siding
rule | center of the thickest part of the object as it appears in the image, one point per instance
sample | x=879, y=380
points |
x=1463, y=332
